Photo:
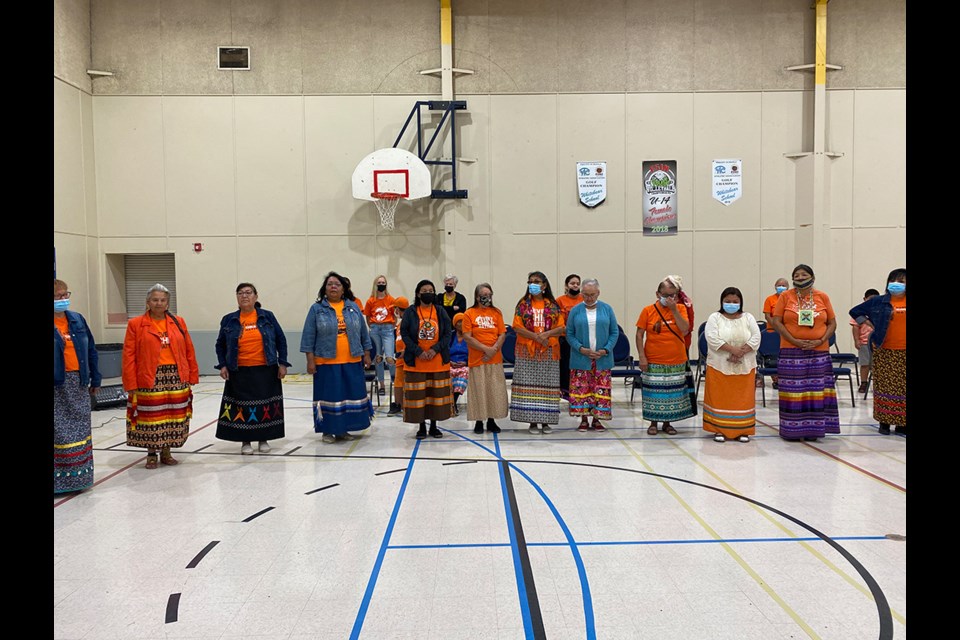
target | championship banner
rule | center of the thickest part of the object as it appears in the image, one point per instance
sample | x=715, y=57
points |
x=592, y=182
x=660, y=198
x=727, y=186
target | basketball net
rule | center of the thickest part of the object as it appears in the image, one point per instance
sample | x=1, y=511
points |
x=386, y=206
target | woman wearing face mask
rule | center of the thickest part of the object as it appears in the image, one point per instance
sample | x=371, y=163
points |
x=888, y=316
x=159, y=365
x=779, y=287
x=538, y=321
x=452, y=301
x=485, y=331
x=400, y=305
x=592, y=332
x=426, y=329
x=337, y=346
x=661, y=342
x=379, y=313
x=729, y=397
x=567, y=301
x=76, y=377
x=804, y=318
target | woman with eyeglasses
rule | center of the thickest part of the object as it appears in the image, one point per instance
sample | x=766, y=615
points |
x=592, y=332
x=804, y=318
x=76, y=377
x=538, y=322
x=159, y=365
x=661, y=342
x=252, y=359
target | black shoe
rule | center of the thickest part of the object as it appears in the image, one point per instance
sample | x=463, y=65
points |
x=885, y=429
x=478, y=427
x=902, y=429
x=492, y=426
x=394, y=409
x=456, y=410
x=435, y=432
x=810, y=438
x=422, y=432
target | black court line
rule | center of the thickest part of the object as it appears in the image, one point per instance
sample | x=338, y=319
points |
x=335, y=484
x=116, y=445
x=258, y=513
x=173, y=603
x=291, y=451
x=536, y=617
x=460, y=462
x=202, y=448
x=383, y=473
x=196, y=560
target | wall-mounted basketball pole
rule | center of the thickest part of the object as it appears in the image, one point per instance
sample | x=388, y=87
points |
x=447, y=105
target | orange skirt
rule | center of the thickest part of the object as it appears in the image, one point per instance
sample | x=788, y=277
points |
x=730, y=404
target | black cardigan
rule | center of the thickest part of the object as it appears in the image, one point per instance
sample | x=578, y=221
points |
x=410, y=327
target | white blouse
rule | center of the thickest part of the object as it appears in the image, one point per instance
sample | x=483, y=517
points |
x=721, y=330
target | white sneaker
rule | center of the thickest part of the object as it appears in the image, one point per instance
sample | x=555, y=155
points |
x=534, y=429
x=546, y=429
x=246, y=449
x=264, y=447
x=329, y=438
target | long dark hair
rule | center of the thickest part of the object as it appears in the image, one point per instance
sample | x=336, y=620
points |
x=547, y=292
x=416, y=292
x=727, y=292
x=476, y=295
x=344, y=282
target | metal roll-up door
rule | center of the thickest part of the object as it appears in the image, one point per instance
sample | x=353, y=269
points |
x=142, y=271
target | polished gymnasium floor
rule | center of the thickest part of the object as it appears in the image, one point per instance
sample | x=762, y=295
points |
x=568, y=535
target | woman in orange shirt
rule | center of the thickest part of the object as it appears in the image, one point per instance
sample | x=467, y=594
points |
x=567, y=301
x=400, y=305
x=252, y=359
x=379, y=313
x=535, y=392
x=661, y=343
x=76, y=377
x=485, y=332
x=887, y=314
x=426, y=329
x=159, y=365
x=804, y=318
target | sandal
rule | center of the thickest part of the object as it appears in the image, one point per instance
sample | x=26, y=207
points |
x=167, y=458
x=151, y=461
x=669, y=430
x=652, y=430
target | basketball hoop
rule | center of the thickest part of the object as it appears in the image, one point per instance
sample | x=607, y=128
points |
x=386, y=204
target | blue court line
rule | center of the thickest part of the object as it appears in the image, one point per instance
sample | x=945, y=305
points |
x=614, y=543
x=591, y=632
x=368, y=593
x=514, y=549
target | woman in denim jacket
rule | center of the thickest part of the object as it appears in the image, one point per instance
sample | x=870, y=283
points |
x=337, y=346
x=252, y=359
x=76, y=377
x=888, y=316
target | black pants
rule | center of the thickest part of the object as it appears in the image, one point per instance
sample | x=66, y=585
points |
x=564, y=367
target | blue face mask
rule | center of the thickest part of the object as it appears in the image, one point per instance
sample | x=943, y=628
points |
x=896, y=287
x=664, y=301
x=731, y=307
x=61, y=305
x=780, y=290
x=534, y=288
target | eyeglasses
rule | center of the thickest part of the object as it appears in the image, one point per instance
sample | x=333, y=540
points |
x=246, y=292
x=62, y=296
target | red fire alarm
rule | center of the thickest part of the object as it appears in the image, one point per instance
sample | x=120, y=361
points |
x=198, y=247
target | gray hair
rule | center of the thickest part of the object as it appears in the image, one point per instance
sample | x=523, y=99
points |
x=592, y=281
x=450, y=276
x=158, y=287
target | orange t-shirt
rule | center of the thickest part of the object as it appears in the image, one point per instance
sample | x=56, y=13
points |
x=343, y=343
x=768, y=306
x=896, y=337
x=379, y=311
x=539, y=326
x=665, y=347
x=428, y=336
x=485, y=324
x=566, y=303
x=251, y=342
x=166, y=353
x=786, y=309
x=69, y=351
x=399, y=364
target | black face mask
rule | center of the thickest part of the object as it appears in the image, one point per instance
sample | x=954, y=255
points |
x=428, y=297
x=574, y=292
x=381, y=287
x=448, y=288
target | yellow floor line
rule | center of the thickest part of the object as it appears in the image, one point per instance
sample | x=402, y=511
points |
x=876, y=451
x=716, y=536
x=777, y=523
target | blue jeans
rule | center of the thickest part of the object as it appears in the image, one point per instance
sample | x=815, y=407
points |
x=384, y=338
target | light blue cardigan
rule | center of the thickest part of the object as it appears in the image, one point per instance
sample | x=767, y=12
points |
x=578, y=335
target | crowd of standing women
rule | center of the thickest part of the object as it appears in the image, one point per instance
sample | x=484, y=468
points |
x=437, y=348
